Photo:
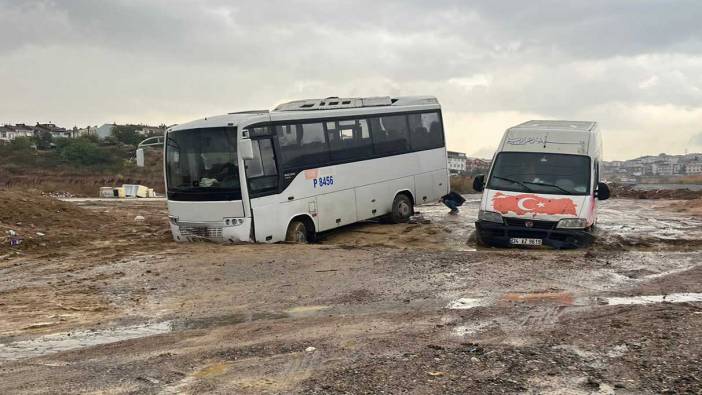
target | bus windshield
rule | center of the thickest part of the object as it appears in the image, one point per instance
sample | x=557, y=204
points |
x=201, y=164
x=555, y=174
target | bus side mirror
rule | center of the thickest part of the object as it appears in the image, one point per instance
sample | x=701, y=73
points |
x=140, y=157
x=246, y=149
x=479, y=183
x=602, y=191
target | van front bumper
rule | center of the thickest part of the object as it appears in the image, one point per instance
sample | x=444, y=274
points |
x=499, y=235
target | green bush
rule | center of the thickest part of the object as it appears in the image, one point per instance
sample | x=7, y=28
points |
x=84, y=152
x=21, y=144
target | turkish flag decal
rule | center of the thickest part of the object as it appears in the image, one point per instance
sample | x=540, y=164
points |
x=532, y=204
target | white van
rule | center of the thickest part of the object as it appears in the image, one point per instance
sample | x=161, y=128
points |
x=543, y=186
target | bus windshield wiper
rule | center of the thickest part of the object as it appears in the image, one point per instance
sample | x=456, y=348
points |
x=515, y=182
x=567, y=192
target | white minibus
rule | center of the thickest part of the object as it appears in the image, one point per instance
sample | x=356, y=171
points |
x=305, y=167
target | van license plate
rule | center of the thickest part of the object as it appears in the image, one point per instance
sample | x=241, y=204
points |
x=525, y=242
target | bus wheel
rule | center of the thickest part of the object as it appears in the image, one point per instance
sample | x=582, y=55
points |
x=402, y=209
x=297, y=232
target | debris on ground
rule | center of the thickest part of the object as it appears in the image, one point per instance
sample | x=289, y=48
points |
x=419, y=219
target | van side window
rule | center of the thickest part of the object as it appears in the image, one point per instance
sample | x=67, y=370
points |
x=426, y=131
x=390, y=134
x=597, y=175
x=302, y=145
x=349, y=140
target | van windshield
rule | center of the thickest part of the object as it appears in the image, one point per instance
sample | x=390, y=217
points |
x=201, y=164
x=555, y=174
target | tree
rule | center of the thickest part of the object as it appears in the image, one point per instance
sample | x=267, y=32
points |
x=44, y=140
x=127, y=134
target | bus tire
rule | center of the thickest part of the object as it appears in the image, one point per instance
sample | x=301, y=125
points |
x=297, y=232
x=402, y=209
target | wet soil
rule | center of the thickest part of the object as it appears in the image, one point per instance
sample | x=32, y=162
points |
x=371, y=308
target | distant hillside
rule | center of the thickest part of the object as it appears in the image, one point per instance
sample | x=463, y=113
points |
x=77, y=166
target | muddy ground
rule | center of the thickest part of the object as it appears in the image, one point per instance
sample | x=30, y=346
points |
x=107, y=304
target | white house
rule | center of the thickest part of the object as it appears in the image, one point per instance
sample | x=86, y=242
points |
x=457, y=162
x=105, y=130
x=693, y=168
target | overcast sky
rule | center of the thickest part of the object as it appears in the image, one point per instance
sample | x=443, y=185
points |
x=633, y=65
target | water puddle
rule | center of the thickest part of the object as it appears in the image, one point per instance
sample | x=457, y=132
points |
x=464, y=303
x=467, y=330
x=66, y=341
x=563, y=298
x=671, y=298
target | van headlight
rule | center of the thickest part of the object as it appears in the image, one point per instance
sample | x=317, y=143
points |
x=572, y=223
x=490, y=216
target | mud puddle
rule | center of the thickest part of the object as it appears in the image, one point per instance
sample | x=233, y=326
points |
x=79, y=339
x=650, y=299
x=567, y=299
x=66, y=341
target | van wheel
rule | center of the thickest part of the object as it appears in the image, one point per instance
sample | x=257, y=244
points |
x=297, y=232
x=402, y=209
x=479, y=240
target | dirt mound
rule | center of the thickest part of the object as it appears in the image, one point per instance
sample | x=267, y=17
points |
x=627, y=191
x=30, y=220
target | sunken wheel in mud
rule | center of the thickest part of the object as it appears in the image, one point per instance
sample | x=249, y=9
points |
x=297, y=232
x=402, y=209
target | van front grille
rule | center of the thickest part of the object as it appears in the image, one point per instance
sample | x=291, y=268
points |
x=535, y=224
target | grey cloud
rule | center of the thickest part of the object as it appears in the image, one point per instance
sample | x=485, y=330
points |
x=85, y=60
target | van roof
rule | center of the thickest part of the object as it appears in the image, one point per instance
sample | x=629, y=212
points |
x=578, y=126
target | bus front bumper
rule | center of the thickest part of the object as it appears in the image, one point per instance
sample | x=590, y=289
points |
x=501, y=235
x=218, y=232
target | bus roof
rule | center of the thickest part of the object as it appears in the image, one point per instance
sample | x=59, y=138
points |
x=335, y=103
x=299, y=109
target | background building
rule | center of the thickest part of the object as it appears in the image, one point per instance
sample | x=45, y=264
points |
x=457, y=162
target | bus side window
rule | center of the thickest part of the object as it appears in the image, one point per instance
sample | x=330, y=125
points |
x=302, y=145
x=390, y=135
x=261, y=171
x=351, y=141
x=426, y=131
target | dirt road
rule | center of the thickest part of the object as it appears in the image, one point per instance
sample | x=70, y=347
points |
x=372, y=308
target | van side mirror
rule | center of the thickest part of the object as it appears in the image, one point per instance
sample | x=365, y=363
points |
x=479, y=183
x=602, y=192
x=246, y=149
x=140, y=157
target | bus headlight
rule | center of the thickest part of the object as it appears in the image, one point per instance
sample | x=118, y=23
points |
x=233, y=221
x=489, y=216
x=572, y=223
